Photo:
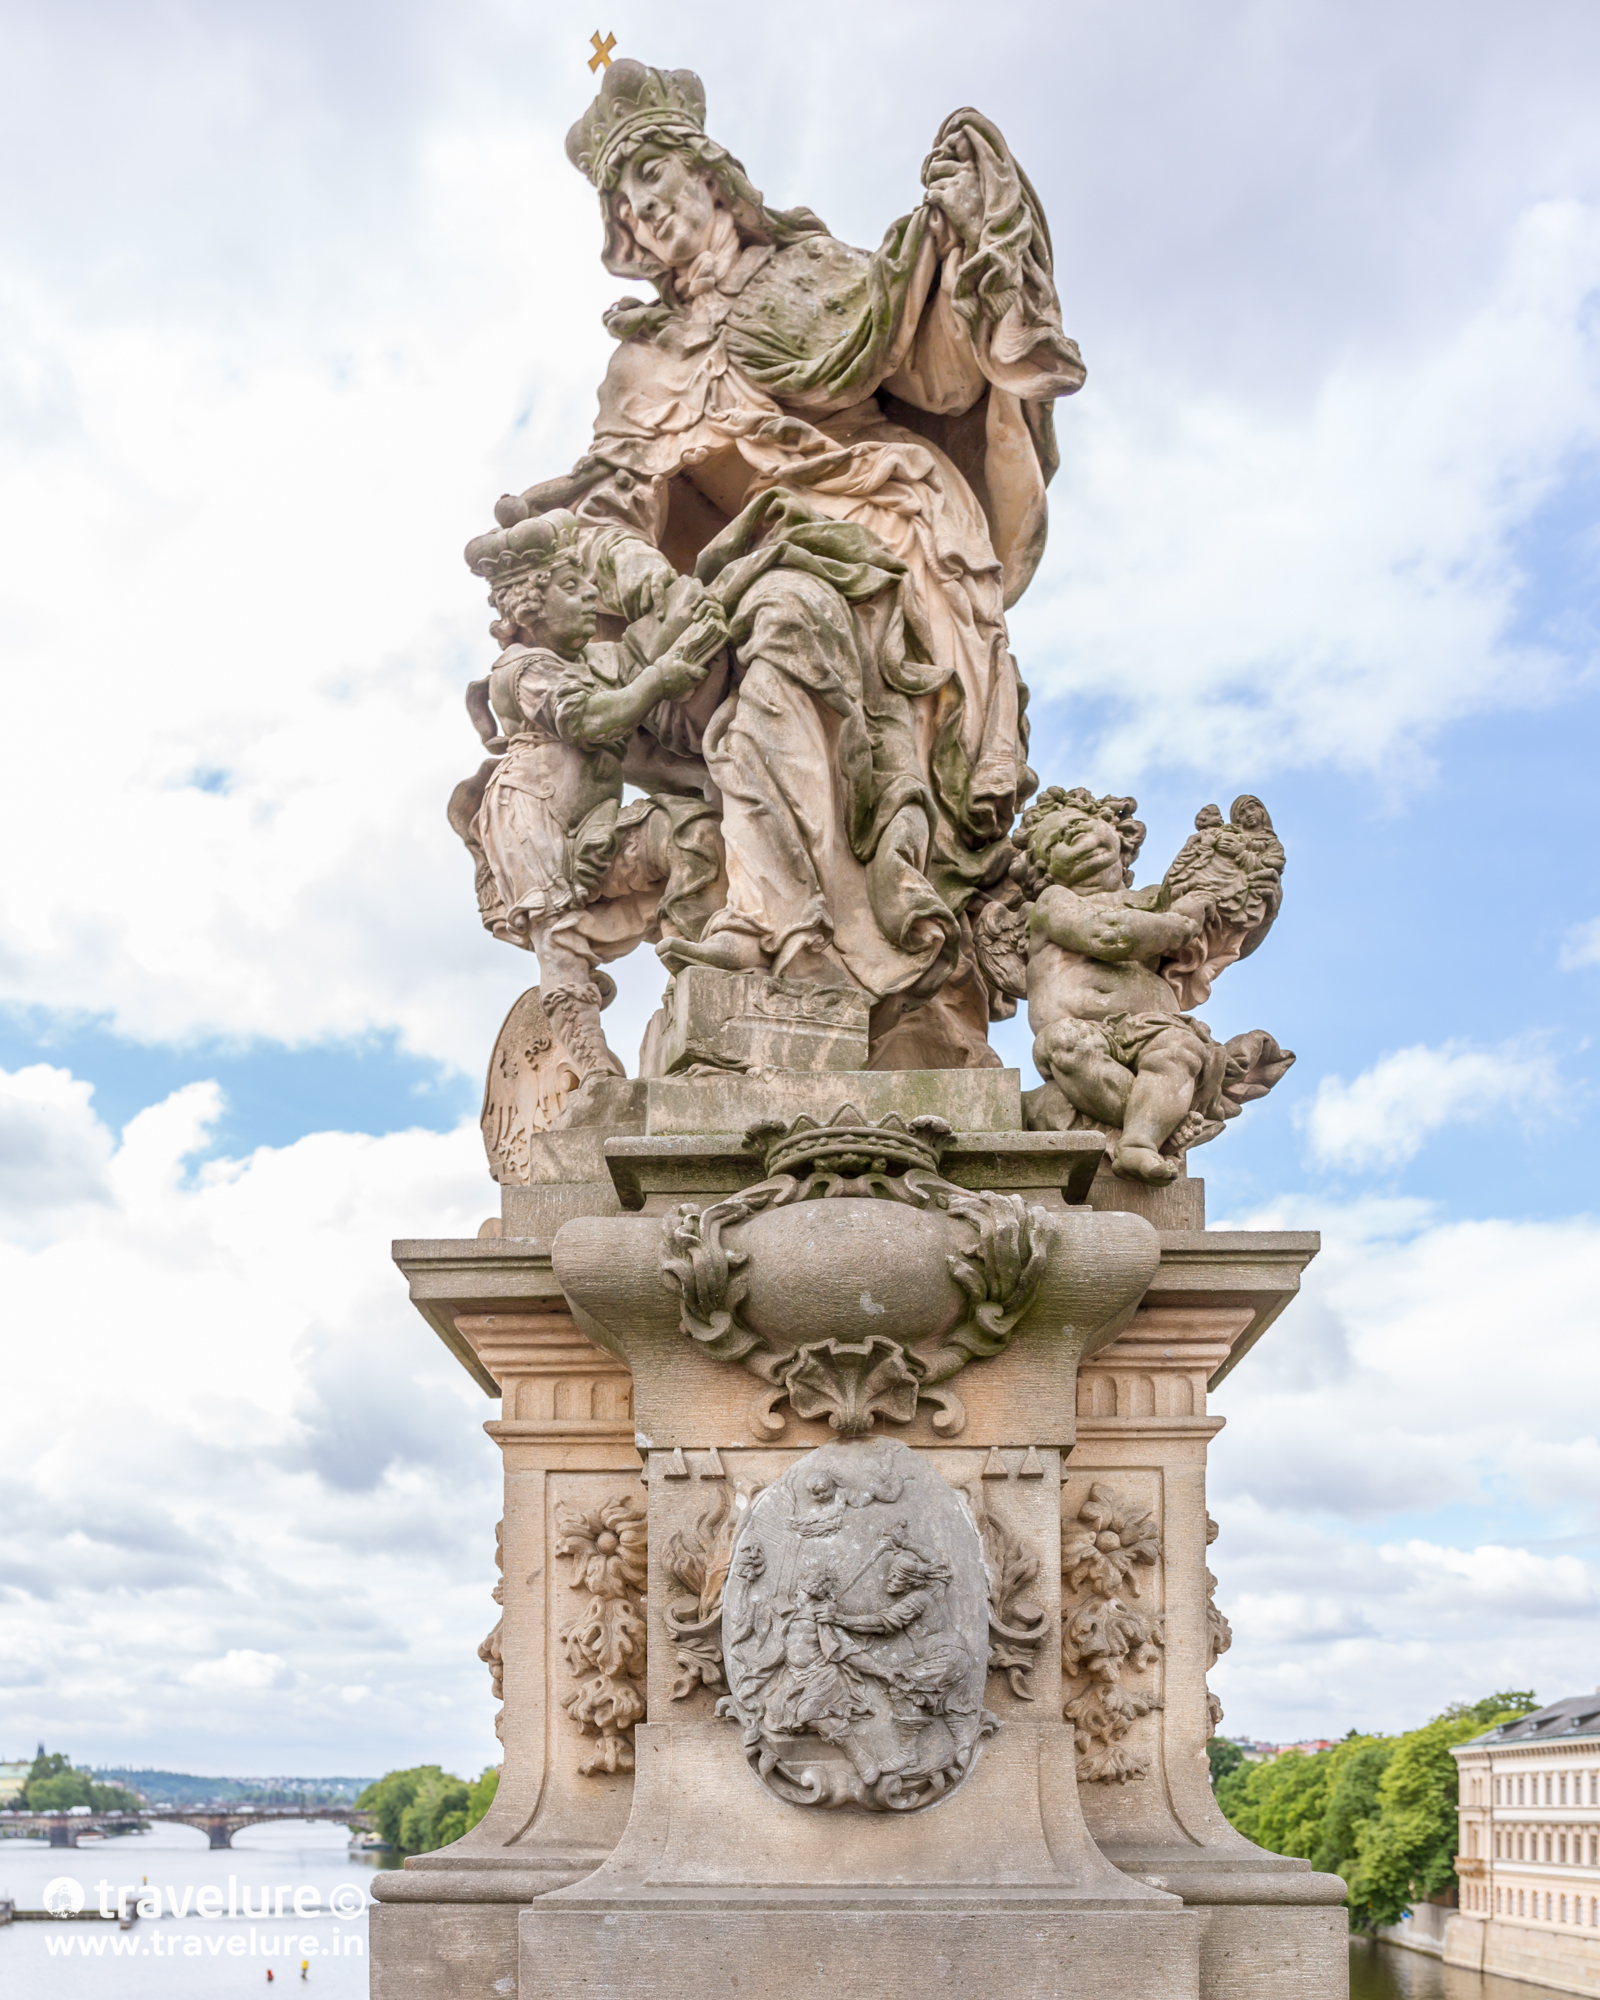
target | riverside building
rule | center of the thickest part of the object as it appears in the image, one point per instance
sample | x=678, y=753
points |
x=1529, y=1864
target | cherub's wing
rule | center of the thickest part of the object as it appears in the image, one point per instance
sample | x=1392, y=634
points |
x=1000, y=943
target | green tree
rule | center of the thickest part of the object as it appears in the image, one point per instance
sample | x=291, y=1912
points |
x=55, y=1784
x=436, y=1815
x=426, y=1807
x=1279, y=1804
x=1355, y=1768
x=1223, y=1756
x=1407, y=1853
x=1380, y=1811
x=482, y=1795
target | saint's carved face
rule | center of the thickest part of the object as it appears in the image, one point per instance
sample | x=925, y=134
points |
x=668, y=204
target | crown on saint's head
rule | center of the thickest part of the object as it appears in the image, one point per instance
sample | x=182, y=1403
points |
x=634, y=99
x=526, y=546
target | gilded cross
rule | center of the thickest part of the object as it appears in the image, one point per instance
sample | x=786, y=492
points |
x=602, y=49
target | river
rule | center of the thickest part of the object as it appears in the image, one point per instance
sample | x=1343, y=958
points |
x=1388, y=1972
x=171, y=1957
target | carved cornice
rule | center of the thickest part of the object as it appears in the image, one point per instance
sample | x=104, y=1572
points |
x=552, y=1381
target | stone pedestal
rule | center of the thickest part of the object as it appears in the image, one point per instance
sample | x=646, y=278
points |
x=1083, y=1852
x=446, y=1922
x=1269, y=1925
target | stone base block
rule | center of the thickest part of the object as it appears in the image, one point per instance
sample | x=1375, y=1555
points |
x=1272, y=1953
x=751, y=1020
x=883, y=1952
x=442, y=1951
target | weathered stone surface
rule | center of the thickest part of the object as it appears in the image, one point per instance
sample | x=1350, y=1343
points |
x=752, y=1021
x=873, y=1952
x=1267, y=1925
x=1111, y=972
x=855, y=1632
x=853, y=1286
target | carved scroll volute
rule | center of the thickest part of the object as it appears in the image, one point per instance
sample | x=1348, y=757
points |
x=1017, y=1625
x=1107, y=1644
x=853, y=1284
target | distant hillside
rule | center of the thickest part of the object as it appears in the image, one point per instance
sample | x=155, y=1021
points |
x=184, y=1788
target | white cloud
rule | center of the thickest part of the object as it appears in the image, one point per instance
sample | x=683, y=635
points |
x=1381, y=1119
x=260, y=1529
x=1255, y=586
x=54, y=1152
x=240, y=1670
x=1581, y=946
x=271, y=368
x=1435, y=1376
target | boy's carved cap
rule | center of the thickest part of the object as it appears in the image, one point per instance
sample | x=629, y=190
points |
x=526, y=545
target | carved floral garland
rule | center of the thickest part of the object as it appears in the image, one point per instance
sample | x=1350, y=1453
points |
x=1219, y=1633
x=606, y=1643
x=1102, y=1551
x=490, y=1651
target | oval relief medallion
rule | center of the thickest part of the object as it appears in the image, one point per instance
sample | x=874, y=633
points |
x=856, y=1631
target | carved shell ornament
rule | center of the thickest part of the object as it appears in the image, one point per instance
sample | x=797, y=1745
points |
x=956, y=1271
x=855, y=1632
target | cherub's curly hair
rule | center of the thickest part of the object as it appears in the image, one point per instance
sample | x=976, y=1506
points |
x=1039, y=830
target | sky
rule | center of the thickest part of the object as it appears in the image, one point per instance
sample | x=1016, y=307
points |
x=289, y=295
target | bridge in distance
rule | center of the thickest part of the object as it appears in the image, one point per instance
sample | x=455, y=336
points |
x=219, y=1823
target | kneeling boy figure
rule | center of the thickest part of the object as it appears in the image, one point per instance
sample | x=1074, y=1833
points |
x=1109, y=968
x=564, y=869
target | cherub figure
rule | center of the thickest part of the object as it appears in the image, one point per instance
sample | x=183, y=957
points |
x=1110, y=969
x=563, y=868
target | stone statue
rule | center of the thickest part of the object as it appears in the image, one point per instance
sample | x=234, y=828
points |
x=564, y=868
x=816, y=483
x=845, y=454
x=1110, y=970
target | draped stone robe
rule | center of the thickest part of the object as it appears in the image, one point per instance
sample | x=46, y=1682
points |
x=903, y=397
